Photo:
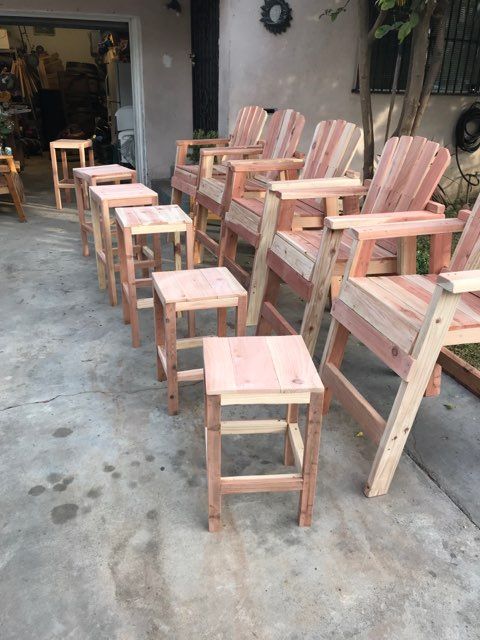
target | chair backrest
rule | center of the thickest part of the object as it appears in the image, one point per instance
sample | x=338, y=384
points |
x=248, y=127
x=408, y=173
x=467, y=252
x=331, y=150
x=283, y=134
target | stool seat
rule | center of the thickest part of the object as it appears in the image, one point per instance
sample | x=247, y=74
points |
x=67, y=143
x=192, y=286
x=154, y=219
x=115, y=194
x=259, y=365
x=105, y=171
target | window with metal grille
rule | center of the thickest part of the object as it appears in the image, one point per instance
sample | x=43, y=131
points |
x=460, y=71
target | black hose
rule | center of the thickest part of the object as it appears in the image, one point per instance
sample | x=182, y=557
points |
x=467, y=138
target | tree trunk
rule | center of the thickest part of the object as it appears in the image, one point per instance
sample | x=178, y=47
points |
x=364, y=67
x=416, y=72
x=439, y=23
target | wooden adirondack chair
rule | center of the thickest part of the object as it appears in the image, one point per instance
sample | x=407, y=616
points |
x=254, y=220
x=11, y=183
x=248, y=129
x=308, y=261
x=405, y=321
x=214, y=192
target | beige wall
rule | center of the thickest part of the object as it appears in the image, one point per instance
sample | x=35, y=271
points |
x=310, y=68
x=166, y=66
x=72, y=45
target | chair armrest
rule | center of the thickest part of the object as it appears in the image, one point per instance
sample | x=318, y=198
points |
x=460, y=281
x=231, y=151
x=277, y=164
x=373, y=219
x=408, y=229
x=320, y=188
x=203, y=141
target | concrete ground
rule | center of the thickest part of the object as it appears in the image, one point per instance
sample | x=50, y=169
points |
x=103, y=495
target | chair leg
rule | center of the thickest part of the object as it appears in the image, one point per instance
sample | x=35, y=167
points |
x=334, y=351
x=108, y=250
x=310, y=460
x=272, y=290
x=228, y=244
x=201, y=215
x=214, y=461
x=409, y=396
x=15, y=197
x=176, y=197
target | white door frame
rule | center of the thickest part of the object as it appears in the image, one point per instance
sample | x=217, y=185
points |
x=136, y=59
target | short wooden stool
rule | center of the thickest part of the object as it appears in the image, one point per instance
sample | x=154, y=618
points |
x=138, y=221
x=85, y=177
x=66, y=182
x=102, y=199
x=191, y=290
x=262, y=370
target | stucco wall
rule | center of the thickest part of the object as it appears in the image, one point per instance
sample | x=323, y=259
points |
x=310, y=68
x=166, y=66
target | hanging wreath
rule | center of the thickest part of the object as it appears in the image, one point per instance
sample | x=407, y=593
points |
x=276, y=16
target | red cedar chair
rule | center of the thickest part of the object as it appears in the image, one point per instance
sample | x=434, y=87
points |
x=253, y=220
x=408, y=172
x=214, y=192
x=405, y=321
x=248, y=129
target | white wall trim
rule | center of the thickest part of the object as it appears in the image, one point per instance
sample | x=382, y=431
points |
x=136, y=62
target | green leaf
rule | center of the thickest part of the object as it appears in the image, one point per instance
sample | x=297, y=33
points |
x=383, y=30
x=385, y=5
x=404, y=31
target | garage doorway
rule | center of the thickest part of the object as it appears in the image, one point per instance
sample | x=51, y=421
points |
x=79, y=79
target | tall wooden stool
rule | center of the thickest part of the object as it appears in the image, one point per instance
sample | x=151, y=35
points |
x=138, y=221
x=11, y=183
x=66, y=182
x=102, y=199
x=85, y=177
x=262, y=370
x=191, y=290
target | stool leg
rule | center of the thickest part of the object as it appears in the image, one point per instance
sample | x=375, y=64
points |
x=56, y=188
x=190, y=242
x=108, y=250
x=157, y=252
x=131, y=288
x=213, y=445
x=97, y=239
x=159, y=319
x=222, y=322
x=171, y=357
x=241, y=315
x=83, y=163
x=91, y=157
x=65, y=174
x=81, y=199
x=310, y=459
x=292, y=418
x=201, y=215
x=177, y=251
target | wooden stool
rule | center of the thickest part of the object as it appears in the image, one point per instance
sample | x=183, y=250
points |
x=262, y=370
x=67, y=183
x=191, y=290
x=137, y=221
x=102, y=199
x=85, y=177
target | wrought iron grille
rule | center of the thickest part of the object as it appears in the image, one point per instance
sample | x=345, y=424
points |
x=460, y=70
